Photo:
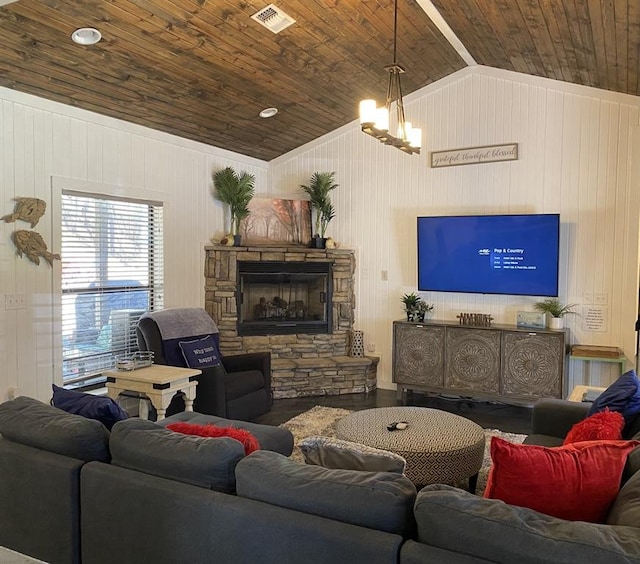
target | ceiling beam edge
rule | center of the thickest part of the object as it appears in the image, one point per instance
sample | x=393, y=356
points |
x=431, y=11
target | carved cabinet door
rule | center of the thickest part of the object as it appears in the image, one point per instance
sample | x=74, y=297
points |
x=418, y=355
x=472, y=359
x=532, y=364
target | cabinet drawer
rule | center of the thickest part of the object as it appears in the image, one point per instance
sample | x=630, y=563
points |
x=418, y=355
x=532, y=364
x=472, y=359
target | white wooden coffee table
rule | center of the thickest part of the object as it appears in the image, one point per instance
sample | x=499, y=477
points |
x=158, y=382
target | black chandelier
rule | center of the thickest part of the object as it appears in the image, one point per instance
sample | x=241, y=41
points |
x=374, y=121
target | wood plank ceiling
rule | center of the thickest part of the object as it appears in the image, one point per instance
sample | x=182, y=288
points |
x=203, y=69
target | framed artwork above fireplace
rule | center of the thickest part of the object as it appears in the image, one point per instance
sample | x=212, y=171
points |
x=277, y=221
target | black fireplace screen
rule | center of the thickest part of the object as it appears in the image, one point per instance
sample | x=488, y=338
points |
x=276, y=298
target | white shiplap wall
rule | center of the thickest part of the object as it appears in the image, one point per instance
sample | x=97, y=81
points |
x=45, y=147
x=578, y=156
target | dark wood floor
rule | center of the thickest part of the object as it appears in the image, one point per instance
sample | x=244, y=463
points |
x=489, y=415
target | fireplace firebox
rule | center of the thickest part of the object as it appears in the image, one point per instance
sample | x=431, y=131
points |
x=283, y=298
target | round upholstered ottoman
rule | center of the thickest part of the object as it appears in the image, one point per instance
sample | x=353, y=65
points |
x=439, y=447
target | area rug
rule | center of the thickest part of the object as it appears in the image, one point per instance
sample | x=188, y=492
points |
x=320, y=420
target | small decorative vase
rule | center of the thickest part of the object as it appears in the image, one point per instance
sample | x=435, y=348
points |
x=237, y=240
x=357, y=343
x=556, y=322
x=318, y=242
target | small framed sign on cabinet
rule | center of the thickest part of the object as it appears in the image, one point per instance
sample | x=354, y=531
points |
x=534, y=319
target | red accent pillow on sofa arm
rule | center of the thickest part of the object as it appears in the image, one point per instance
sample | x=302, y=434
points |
x=577, y=482
x=602, y=426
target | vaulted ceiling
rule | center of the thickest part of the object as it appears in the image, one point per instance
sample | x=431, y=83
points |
x=203, y=69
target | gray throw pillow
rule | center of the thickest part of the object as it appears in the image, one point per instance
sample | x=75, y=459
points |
x=330, y=452
x=378, y=500
x=626, y=508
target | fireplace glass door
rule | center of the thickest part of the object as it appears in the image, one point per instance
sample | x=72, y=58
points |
x=276, y=298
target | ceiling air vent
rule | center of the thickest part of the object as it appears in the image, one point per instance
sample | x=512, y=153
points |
x=273, y=18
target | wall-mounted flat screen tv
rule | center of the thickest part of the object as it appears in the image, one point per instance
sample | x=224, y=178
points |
x=489, y=254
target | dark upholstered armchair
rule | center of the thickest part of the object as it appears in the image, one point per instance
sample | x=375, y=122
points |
x=239, y=387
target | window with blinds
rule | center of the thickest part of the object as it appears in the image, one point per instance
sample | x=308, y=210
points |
x=112, y=272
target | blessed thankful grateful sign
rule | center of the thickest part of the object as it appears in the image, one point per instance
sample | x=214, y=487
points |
x=475, y=155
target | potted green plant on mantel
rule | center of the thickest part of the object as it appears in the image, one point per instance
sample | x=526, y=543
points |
x=236, y=191
x=320, y=185
x=415, y=307
x=555, y=311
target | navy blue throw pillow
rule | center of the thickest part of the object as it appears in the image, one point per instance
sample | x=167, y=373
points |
x=201, y=353
x=101, y=408
x=622, y=396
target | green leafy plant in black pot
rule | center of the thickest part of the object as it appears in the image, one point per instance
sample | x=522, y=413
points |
x=318, y=189
x=236, y=191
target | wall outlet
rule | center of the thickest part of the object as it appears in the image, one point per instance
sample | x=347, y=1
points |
x=384, y=275
x=371, y=347
x=15, y=301
x=588, y=298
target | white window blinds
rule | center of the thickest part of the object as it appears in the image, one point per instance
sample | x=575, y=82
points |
x=112, y=272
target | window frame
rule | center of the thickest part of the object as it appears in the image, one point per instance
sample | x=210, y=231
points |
x=154, y=286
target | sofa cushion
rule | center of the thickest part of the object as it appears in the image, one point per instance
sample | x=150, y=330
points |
x=330, y=452
x=626, y=508
x=578, y=481
x=378, y=500
x=601, y=426
x=249, y=442
x=497, y=532
x=145, y=446
x=200, y=353
x=30, y=422
x=623, y=396
x=100, y=408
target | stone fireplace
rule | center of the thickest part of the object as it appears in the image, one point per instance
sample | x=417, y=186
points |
x=306, y=362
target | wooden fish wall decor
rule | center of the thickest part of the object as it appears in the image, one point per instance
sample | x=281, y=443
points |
x=33, y=246
x=27, y=209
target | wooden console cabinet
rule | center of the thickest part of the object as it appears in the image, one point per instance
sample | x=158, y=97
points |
x=504, y=362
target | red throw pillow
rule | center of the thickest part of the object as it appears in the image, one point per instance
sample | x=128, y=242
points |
x=577, y=482
x=249, y=441
x=603, y=426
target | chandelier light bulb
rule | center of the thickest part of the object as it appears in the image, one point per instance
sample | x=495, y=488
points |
x=382, y=119
x=404, y=133
x=367, y=111
x=415, y=139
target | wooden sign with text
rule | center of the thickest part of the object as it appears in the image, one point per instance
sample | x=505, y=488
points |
x=475, y=155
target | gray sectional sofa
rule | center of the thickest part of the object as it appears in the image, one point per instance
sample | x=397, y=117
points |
x=70, y=492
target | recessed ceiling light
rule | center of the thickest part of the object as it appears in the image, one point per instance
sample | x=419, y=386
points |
x=268, y=112
x=86, y=36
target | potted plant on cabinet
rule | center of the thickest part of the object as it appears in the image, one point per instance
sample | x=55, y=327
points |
x=236, y=191
x=320, y=185
x=415, y=307
x=555, y=311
